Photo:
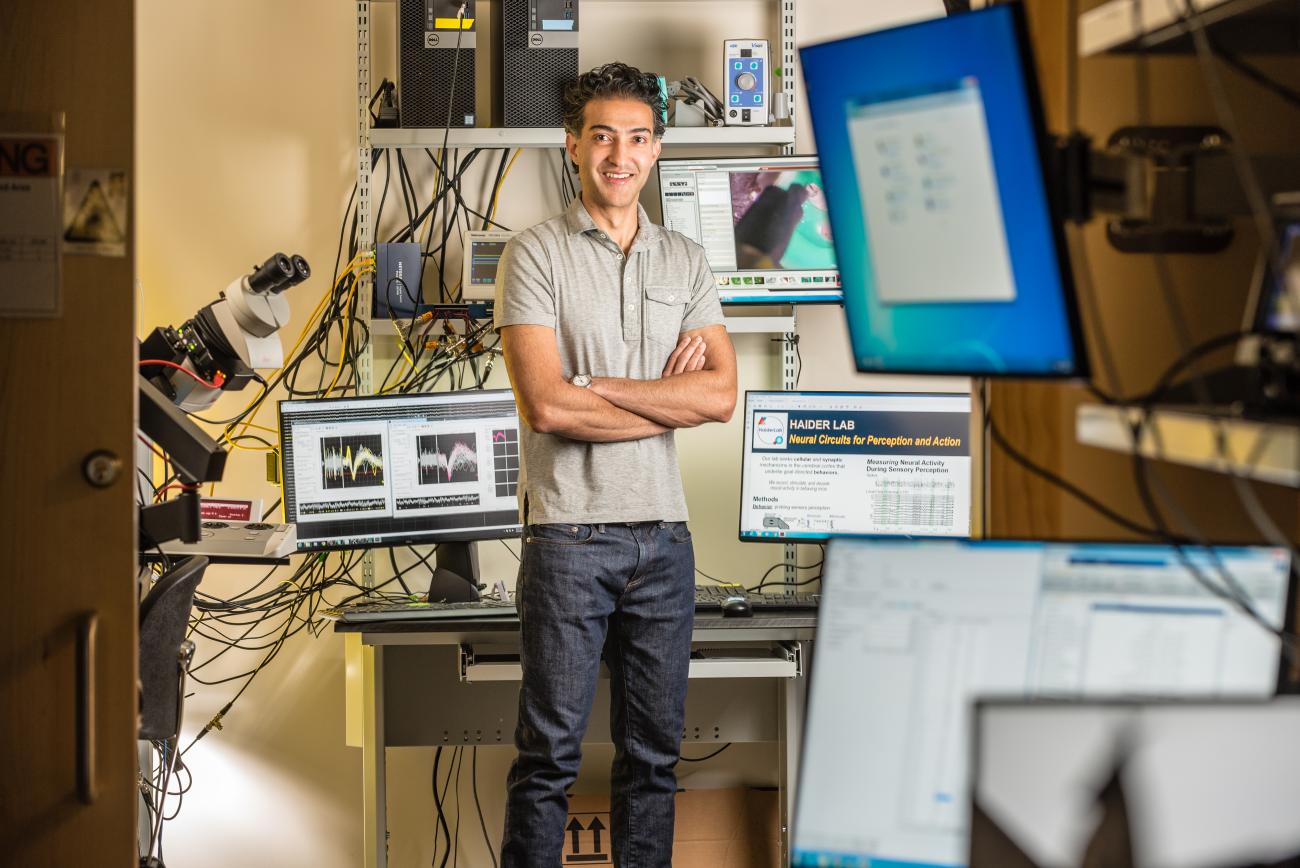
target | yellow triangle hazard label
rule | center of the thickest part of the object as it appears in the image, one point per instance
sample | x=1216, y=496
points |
x=94, y=221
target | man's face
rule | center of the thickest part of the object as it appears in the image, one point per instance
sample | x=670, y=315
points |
x=615, y=151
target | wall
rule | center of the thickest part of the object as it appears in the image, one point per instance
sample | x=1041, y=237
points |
x=246, y=146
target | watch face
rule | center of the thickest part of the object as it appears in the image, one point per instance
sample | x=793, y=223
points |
x=581, y=380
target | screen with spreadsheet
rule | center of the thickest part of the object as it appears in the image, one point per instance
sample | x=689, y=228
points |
x=912, y=633
x=401, y=469
x=823, y=464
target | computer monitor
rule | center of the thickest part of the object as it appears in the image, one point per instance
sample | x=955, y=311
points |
x=911, y=633
x=1202, y=783
x=403, y=470
x=823, y=464
x=1272, y=308
x=762, y=222
x=931, y=140
x=482, y=250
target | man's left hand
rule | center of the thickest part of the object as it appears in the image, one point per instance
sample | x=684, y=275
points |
x=688, y=356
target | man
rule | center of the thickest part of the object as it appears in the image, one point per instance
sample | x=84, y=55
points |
x=613, y=338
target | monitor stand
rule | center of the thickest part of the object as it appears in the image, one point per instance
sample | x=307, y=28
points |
x=456, y=579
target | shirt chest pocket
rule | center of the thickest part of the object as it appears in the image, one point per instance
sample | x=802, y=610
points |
x=665, y=308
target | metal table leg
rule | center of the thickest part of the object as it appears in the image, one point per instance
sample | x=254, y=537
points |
x=373, y=771
x=793, y=694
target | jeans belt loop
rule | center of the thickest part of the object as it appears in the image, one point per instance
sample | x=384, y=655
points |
x=600, y=528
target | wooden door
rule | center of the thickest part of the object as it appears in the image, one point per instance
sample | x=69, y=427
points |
x=67, y=548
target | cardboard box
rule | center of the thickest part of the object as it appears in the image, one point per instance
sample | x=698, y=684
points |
x=734, y=828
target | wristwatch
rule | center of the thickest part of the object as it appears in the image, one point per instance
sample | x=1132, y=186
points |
x=582, y=381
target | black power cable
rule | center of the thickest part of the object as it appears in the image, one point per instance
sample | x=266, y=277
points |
x=478, y=806
x=700, y=759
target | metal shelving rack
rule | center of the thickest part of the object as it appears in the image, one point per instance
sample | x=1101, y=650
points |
x=782, y=136
x=553, y=137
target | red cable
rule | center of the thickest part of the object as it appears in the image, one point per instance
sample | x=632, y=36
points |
x=157, y=495
x=183, y=370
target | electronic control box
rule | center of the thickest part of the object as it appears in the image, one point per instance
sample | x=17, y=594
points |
x=748, y=82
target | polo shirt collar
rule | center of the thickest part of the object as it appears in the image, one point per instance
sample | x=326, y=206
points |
x=578, y=220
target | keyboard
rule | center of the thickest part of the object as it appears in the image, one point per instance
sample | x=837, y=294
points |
x=711, y=597
x=420, y=611
x=708, y=598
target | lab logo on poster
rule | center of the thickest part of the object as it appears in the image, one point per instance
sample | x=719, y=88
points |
x=770, y=430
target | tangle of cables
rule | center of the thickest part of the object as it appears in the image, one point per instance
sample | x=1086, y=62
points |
x=238, y=634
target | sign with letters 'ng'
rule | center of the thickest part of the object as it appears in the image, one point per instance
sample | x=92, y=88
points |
x=31, y=174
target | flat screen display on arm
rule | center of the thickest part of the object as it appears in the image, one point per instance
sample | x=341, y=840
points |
x=930, y=138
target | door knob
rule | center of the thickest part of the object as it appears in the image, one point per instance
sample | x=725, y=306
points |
x=101, y=468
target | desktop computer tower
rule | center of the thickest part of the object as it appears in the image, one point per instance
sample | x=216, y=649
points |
x=436, y=79
x=539, y=40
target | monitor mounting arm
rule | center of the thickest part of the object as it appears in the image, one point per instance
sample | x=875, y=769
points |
x=1162, y=189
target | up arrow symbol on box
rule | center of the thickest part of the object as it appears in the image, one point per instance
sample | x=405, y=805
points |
x=575, y=829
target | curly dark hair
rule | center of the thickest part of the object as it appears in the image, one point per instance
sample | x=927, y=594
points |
x=613, y=80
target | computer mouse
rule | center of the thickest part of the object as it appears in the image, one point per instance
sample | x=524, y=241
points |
x=737, y=607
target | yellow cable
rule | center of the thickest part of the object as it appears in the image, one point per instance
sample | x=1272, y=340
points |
x=401, y=381
x=258, y=448
x=263, y=428
x=347, y=335
x=492, y=210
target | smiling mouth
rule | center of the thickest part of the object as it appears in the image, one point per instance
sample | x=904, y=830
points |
x=617, y=177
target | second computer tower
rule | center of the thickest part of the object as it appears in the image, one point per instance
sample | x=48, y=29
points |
x=539, y=57
x=436, y=51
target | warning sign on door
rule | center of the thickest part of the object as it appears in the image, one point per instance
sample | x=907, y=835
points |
x=95, y=212
x=31, y=168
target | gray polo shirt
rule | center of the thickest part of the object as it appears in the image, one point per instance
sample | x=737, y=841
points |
x=613, y=316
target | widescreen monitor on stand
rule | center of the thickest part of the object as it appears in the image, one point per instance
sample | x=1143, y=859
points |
x=912, y=632
x=824, y=464
x=435, y=468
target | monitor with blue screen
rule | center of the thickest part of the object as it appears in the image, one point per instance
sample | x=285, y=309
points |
x=912, y=632
x=930, y=137
x=1272, y=310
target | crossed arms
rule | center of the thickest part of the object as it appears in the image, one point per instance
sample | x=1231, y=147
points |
x=698, y=385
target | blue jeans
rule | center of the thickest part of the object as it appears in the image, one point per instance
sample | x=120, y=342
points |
x=627, y=591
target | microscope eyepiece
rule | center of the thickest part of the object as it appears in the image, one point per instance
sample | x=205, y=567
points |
x=272, y=275
x=302, y=270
